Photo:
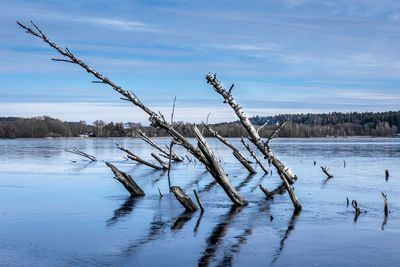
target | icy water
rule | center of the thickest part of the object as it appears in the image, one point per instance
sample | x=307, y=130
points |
x=56, y=209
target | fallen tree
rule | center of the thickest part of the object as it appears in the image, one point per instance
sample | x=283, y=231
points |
x=126, y=180
x=286, y=174
x=236, y=152
x=203, y=153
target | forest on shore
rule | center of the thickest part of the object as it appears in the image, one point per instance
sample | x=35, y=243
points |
x=335, y=124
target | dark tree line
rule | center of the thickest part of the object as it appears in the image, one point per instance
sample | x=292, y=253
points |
x=336, y=124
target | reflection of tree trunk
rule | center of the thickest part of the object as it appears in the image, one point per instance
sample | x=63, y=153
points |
x=216, y=237
x=245, y=182
x=208, y=187
x=125, y=209
x=181, y=220
x=290, y=228
x=385, y=219
x=157, y=228
x=235, y=248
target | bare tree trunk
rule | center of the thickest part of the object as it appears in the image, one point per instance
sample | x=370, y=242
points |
x=247, y=146
x=162, y=163
x=134, y=157
x=198, y=200
x=286, y=174
x=126, y=180
x=236, y=152
x=267, y=193
x=164, y=153
x=217, y=171
x=81, y=153
x=326, y=171
x=184, y=199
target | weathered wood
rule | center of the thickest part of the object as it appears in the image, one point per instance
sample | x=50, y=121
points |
x=236, y=152
x=274, y=133
x=326, y=171
x=286, y=174
x=157, y=120
x=164, y=153
x=198, y=200
x=136, y=158
x=289, y=188
x=81, y=153
x=357, y=210
x=247, y=146
x=162, y=163
x=386, y=208
x=184, y=199
x=169, y=164
x=244, y=162
x=126, y=180
x=267, y=193
x=217, y=171
x=159, y=191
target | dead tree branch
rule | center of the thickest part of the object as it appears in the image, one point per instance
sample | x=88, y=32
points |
x=217, y=171
x=162, y=163
x=184, y=199
x=198, y=200
x=136, y=158
x=126, y=180
x=274, y=133
x=386, y=209
x=286, y=174
x=81, y=153
x=203, y=153
x=267, y=193
x=164, y=153
x=247, y=146
x=326, y=171
x=236, y=152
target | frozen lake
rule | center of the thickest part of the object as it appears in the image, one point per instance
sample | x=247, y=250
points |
x=56, y=209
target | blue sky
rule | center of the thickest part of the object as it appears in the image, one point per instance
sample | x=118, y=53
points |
x=283, y=56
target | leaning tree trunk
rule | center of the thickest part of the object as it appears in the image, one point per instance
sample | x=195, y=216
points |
x=285, y=173
x=126, y=180
x=217, y=171
x=236, y=152
x=184, y=199
x=156, y=119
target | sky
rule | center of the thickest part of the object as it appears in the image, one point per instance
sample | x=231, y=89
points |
x=284, y=56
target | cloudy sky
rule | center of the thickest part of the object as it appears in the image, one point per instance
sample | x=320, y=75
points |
x=283, y=56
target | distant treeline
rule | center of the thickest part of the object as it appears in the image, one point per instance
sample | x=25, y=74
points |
x=336, y=124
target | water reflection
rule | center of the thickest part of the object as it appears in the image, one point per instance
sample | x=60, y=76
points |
x=125, y=209
x=196, y=180
x=208, y=187
x=235, y=248
x=196, y=228
x=385, y=219
x=217, y=235
x=290, y=228
x=182, y=220
x=245, y=182
x=157, y=228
